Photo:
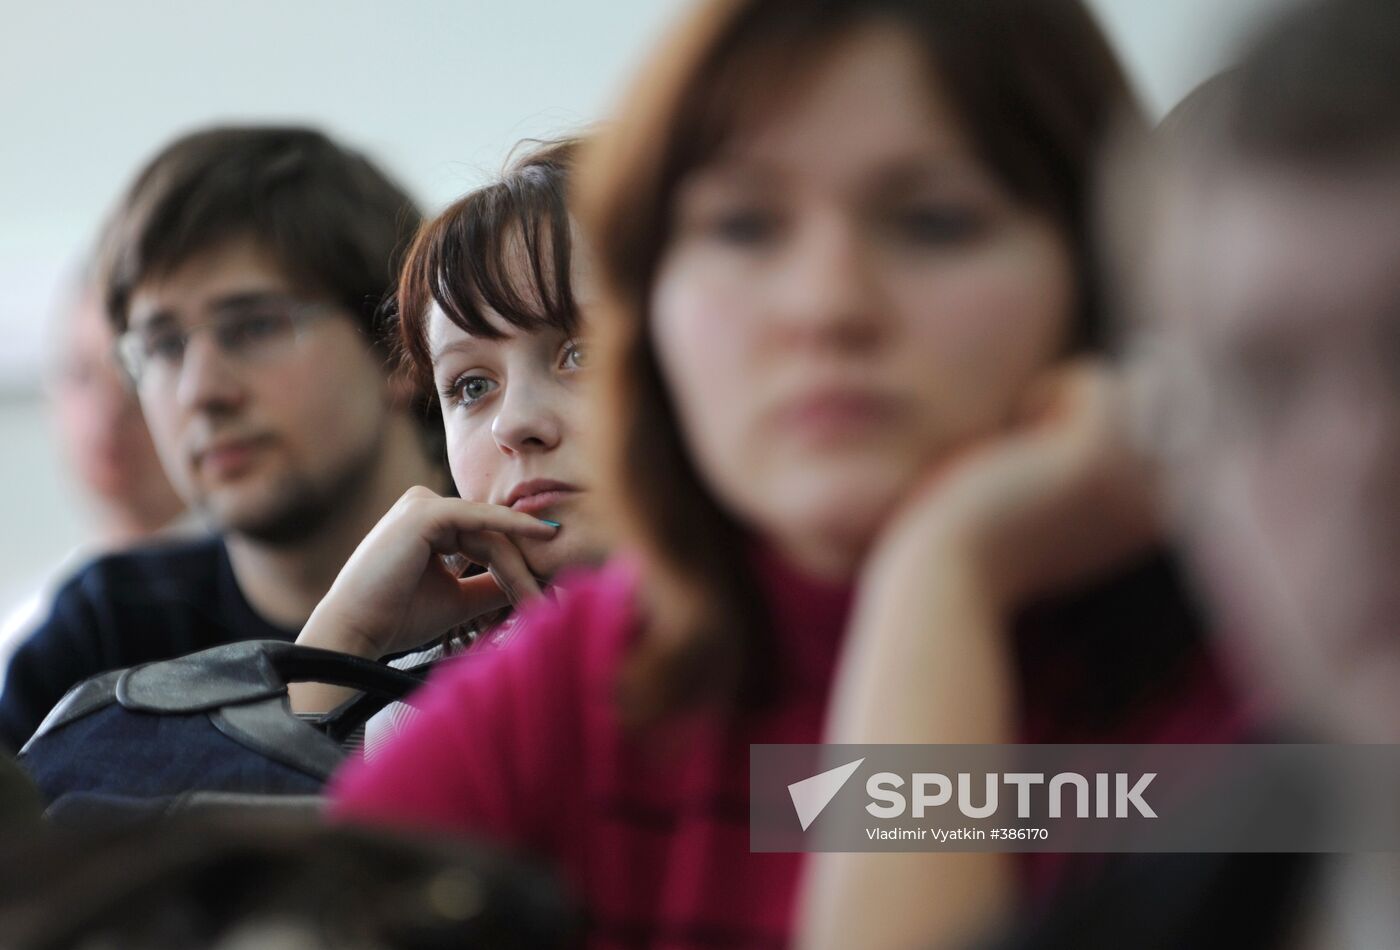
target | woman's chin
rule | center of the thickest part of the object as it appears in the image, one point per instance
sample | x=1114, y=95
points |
x=548, y=559
x=852, y=509
x=833, y=540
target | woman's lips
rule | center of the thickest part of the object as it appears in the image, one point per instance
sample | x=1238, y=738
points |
x=535, y=495
x=536, y=502
x=824, y=416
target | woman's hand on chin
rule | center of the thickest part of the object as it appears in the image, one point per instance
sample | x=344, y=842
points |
x=397, y=591
x=1060, y=497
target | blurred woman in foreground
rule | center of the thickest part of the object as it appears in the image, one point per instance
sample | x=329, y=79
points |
x=844, y=280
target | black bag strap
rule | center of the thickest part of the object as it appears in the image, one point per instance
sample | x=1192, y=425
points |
x=302, y=664
x=350, y=715
x=250, y=670
x=241, y=688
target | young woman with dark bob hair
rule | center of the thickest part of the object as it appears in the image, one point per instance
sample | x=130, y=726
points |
x=492, y=312
x=865, y=477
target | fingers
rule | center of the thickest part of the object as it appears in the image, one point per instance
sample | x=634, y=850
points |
x=508, y=569
x=1077, y=417
x=442, y=522
x=482, y=533
x=457, y=515
x=1077, y=391
x=482, y=593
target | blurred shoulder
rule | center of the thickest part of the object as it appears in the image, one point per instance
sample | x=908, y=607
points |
x=155, y=566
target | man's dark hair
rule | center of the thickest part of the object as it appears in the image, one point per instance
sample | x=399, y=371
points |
x=329, y=218
x=1320, y=87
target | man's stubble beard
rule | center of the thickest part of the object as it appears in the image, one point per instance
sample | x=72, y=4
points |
x=302, y=505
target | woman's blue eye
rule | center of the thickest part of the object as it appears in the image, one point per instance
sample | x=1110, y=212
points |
x=575, y=356
x=465, y=390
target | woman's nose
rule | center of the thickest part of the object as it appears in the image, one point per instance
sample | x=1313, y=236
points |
x=529, y=418
x=829, y=289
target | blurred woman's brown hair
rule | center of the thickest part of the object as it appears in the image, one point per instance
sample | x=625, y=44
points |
x=1037, y=90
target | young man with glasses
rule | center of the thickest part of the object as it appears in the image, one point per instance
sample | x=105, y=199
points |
x=243, y=271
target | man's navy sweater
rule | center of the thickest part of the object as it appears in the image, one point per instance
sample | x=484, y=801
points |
x=147, y=604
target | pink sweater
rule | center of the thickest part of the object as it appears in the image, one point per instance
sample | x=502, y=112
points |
x=521, y=744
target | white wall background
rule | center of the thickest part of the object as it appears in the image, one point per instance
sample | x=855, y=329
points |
x=438, y=90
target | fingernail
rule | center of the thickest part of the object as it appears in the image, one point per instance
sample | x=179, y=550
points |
x=552, y=524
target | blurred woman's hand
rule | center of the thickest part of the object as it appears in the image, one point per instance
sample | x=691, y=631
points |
x=1060, y=497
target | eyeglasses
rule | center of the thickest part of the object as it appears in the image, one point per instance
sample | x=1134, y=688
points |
x=248, y=335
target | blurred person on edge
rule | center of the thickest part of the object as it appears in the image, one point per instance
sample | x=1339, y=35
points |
x=106, y=445
x=1263, y=223
x=1277, y=291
